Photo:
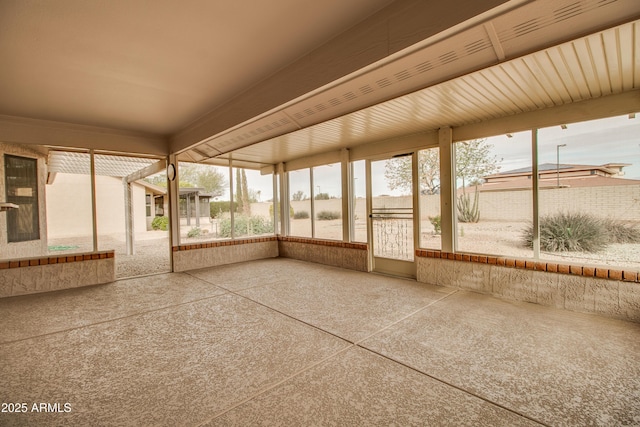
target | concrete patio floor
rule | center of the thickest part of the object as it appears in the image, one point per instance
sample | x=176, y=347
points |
x=284, y=342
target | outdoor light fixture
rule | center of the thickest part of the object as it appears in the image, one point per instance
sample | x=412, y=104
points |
x=632, y=115
x=509, y=135
x=171, y=172
x=563, y=126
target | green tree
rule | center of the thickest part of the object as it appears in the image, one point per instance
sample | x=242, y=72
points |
x=210, y=179
x=398, y=172
x=473, y=161
x=246, y=203
x=297, y=196
x=239, y=199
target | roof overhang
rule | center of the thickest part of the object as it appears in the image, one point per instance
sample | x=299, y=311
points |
x=541, y=55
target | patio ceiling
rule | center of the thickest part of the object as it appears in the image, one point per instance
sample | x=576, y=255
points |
x=153, y=67
x=106, y=165
x=209, y=80
x=602, y=63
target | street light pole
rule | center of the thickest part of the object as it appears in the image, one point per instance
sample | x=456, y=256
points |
x=558, y=162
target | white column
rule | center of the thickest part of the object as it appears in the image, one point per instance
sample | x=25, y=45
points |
x=128, y=217
x=447, y=189
x=347, y=195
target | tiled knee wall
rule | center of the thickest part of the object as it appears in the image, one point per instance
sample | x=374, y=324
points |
x=211, y=254
x=612, y=293
x=339, y=254
x=353, y=256
x=52, y=273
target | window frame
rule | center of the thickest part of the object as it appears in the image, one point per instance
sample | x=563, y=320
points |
x=33, y=200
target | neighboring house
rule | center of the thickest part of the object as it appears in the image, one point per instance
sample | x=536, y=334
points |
x=194, y=203
x=156, y=201
x=563, y=175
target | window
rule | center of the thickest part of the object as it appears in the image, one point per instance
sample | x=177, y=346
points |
x=359, y=186
x=327, y=201
x=253, y=198
x=204, y=202
x=429, y=185
x=589, y=197
x=21, y=184
x=69, y=203
x=494, y=194
x=300, y=202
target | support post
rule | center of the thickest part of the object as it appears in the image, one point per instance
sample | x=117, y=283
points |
x=128, y=217
x=347, y=190
x=196, y=198
x=94, y=209
x=447, y=189
x=535, y=184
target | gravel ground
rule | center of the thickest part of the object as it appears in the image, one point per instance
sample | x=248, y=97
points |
x=504, y=238
x=152, y=252
x=496, y=238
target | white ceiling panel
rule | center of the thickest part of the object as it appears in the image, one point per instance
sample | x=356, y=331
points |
x=590, y=67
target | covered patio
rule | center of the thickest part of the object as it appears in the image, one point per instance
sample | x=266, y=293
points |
x=285, y=342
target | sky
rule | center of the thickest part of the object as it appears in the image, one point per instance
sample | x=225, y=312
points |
x=597, y=142
x=611, y=140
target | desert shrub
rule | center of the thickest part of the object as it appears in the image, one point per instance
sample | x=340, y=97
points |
x=621, y=231
x=322, y=196
x=436, y=221
x=581, y=232
x=564, y=232
x=160, y=223
x=328, y=215
x=301, y=215
x=216, y=209
x=194, y=232
x=245, y=226
x=468, y=211
x=271, y=210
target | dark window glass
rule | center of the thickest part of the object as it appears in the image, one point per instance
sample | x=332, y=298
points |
x=21, y=184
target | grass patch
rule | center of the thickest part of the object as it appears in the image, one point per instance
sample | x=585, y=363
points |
x=57, y=248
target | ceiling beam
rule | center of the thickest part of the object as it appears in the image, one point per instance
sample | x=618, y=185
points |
x=19, y=130
x=397, y=27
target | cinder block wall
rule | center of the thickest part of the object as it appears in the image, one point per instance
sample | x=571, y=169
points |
x=614, y=294
x=44, y=274
x=211, y=254
x=353, y=256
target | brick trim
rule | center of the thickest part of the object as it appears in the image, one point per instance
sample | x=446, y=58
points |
x=221, y=243
x=46, y=260
x=538, y=265
x=321, y=242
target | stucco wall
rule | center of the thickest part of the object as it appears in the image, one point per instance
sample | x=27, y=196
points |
x=69, y=206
